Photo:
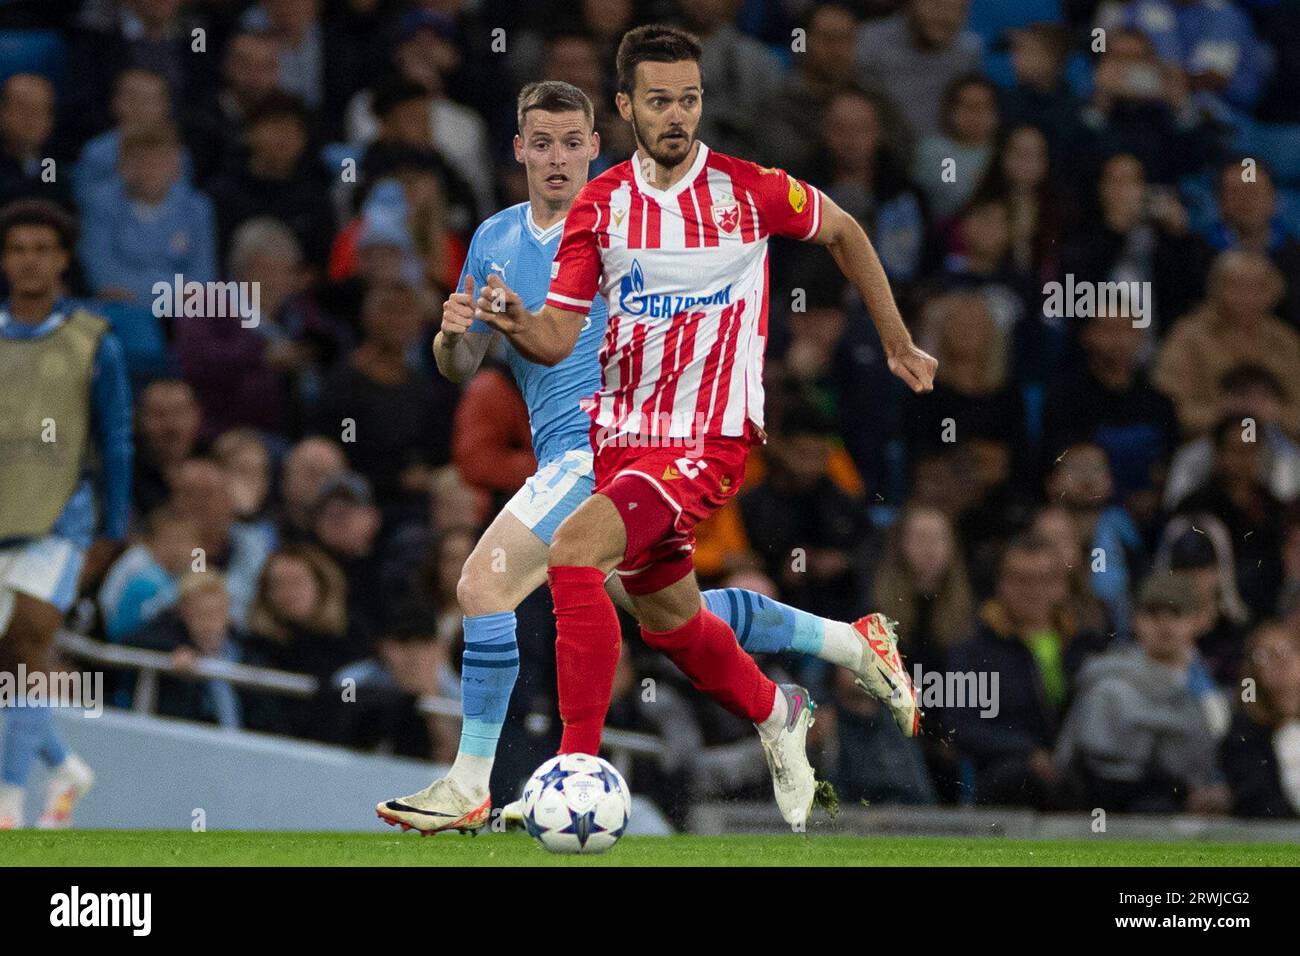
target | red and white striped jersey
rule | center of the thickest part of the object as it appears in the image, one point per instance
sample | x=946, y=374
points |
x=684, y=271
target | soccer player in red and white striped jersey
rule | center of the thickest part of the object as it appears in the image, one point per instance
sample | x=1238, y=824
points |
x=675, y=239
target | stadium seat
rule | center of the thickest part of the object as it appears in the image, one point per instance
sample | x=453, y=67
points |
x=992, y=18
x=31, y=51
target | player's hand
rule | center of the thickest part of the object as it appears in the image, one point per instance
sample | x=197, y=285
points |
x=458, y=311
x=99, y=557
x=915, y=367
x=500, y=306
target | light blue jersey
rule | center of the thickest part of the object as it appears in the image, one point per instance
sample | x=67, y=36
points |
x=512, y=246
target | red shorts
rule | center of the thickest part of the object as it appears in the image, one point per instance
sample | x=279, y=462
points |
x=663, y=492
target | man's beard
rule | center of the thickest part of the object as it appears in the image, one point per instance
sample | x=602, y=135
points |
x=663, y=158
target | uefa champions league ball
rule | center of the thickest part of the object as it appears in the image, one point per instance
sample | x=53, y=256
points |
x=576, y=803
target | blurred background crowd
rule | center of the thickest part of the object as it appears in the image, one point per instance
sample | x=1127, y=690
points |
x=1096, y=510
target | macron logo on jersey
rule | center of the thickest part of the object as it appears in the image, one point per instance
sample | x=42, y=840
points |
x=631, y=302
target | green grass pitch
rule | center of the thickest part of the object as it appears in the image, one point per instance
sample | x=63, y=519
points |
x=183, y=848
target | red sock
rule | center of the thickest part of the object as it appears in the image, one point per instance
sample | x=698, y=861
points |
x=587, y=639
x=705, y=649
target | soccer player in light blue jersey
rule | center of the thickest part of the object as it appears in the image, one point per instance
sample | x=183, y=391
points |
x=65, y=480
x=556, y=142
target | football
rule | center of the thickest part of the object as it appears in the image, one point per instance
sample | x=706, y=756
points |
x=576, y=803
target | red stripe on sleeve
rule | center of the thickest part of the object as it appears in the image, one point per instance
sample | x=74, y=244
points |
x=748, y=227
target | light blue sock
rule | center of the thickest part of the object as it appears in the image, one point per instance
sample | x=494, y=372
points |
x=29, y=732
x=489, y=669
x=764, y=626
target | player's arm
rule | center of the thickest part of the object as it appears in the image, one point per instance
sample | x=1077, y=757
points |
x=457, y=349
x=110, y=415
x=549, y=335
x=545, y=337
x=847, y=242
x=111, y=422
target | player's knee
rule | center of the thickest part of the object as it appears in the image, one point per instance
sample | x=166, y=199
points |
x=477, y=595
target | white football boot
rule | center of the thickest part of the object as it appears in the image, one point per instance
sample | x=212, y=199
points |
x=882, y=674
x=512, y=815
x=786, y=751
x=69, y=782
x=439, y=806
x=11, y=807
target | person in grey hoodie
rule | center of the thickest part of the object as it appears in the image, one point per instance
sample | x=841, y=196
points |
x=1139, y=736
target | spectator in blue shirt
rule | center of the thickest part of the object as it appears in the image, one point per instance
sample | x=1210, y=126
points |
x=141, y=100
x=149, y=226
x=142, y=582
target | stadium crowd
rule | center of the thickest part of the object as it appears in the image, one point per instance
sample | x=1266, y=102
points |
x=1088, y=530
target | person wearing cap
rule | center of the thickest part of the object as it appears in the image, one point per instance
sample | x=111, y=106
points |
x=1194, y=552
x=1142, y=732
x=305, y=469
x=346, y=524
x=1237, y=494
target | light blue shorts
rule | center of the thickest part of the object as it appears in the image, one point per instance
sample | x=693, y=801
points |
x=46, y=569
x=554, y=493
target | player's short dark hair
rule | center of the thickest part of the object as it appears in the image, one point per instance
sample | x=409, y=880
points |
x=39, y=212
x=653, y=43
x=553, y=96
